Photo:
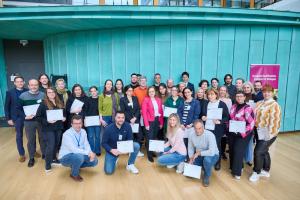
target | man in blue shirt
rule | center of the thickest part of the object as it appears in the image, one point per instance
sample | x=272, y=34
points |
x=118, y=131
x=15, y=117
x=75, y=150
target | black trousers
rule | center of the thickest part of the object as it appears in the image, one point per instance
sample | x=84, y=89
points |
x=53, y=140
x=152, y=135
x=262, y=159
x=237, y=150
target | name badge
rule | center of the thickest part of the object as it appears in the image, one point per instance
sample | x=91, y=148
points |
x=39, y=101
x=120, y=137
x=174, y=103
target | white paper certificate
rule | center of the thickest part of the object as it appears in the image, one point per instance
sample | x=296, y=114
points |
x=215, y=113
x=168, y=111
x=188, y=132
x=135, y=128
x=31, y=110
x=54, y=115
x=76, y=105
x=237, y=126
x=92, y=121
x=210, y=125
x=125, y=146
x=193, y=171
x=157, y=145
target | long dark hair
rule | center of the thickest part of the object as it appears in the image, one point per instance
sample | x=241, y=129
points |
x=112, y=88
x=75, y=86
x=121, y=83
x=43, y=74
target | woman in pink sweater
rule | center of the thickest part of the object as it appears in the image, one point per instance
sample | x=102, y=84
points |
x=152, y=113
x=175, y=150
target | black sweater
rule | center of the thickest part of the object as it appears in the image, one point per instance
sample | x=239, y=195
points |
x=41, y=116
x=130, y=112
x=92, y=107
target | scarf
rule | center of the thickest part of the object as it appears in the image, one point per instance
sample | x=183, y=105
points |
x=64, y=93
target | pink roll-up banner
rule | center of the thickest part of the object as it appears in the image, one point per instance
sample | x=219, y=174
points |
x=266, y=73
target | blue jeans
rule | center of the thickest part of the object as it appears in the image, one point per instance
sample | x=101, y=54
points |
x=107, y=119
x=249, y=151
x=110, y=159
x=207, y=162
x=77, y=161
x=171, y=158
x=93, y=133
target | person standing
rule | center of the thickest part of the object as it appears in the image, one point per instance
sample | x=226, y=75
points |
x=44, y=82
x=32, y=97
x=14, y=116
x=230, y=87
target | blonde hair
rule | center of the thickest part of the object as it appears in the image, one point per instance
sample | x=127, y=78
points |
x=170, y=130
x=227, y=94
x=250, y=85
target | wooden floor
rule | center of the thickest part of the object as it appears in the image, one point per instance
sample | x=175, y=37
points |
x=17, y=181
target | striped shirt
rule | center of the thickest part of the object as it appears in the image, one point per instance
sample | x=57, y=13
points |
x=186, y=110
x=268, y=114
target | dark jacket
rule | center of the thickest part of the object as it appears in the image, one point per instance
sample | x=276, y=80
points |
x=70, y=101
x=203, y=103
x=92, y=106
x=41, y=116
x=193, y=113
x=13, y=108
x=191, y=87
x=130, y=111
x=219, y=128
x=113, y=134
x=258, y=97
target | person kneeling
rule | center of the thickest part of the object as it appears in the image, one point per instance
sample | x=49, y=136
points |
x=203, y=150
x=175, y=150
x=75, y=151
x=118, y=131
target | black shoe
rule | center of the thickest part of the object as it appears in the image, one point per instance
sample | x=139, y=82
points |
x=217, y=166
x=150, y=159
x=249, y=164
x=43, y=157
x=56, y=162
x=98, y=154
x=31, y=162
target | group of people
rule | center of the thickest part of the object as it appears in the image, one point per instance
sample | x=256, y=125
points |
x=189, y=133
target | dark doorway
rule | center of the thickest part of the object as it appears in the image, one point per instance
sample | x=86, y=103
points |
x=24, y=59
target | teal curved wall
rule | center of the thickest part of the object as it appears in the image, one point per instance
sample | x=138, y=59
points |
x=206, y=51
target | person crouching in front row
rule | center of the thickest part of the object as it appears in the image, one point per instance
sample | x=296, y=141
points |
x=75, y=151
x=203, y=150
x=113, y=133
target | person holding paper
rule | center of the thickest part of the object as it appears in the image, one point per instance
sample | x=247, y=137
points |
x=77, y=93
x=268, y=116
x=52, y=129
x=14, y=116
x=173, y=101
x=217, y=126
x=32, y=98
x=238, y=141
x=75, y=151
x=203, y=150
x=130, y=106
x=188, y=112
x=93, y=132
x=115, y=132
x=250, y=100
x=224, y=96
x=108, y=104
x=175, y=151
x=153, y=117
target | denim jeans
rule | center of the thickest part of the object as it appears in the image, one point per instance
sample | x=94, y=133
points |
x=249, y=151
x=207, y=162
x=107, y=119
x=77, y=161
x=110, y=159
x=171, y=158
x=93, y=134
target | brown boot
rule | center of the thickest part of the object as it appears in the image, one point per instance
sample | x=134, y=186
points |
x=77, y=178
x=37, y=155
x=22, y=159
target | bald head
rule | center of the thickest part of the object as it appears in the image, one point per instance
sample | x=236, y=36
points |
x=33, y=85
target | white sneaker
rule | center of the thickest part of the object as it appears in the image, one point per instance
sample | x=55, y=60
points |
x=180, y=168
x=140, y=154
x=170, y=166
x=132, y=169
x=237, y=177
x=254, y=177
x=48, y=171
x=264, y=173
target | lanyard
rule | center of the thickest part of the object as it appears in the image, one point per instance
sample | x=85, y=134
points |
x=78, y=140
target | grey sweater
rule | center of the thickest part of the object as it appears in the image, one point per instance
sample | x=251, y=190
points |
x=205, y=143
